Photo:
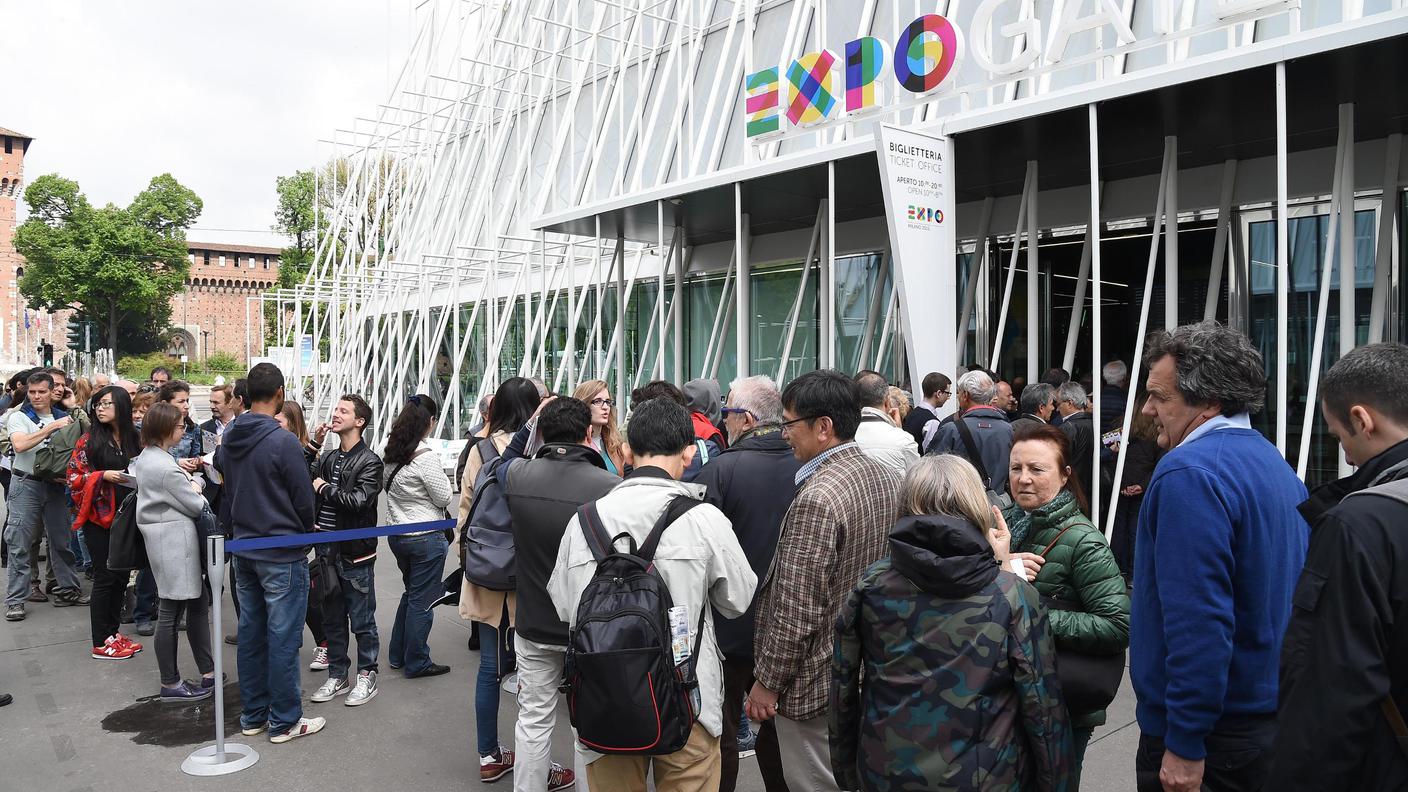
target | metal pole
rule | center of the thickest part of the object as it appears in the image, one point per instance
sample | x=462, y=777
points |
x=1171, y=239
x=743, y=306
x=1283, y=259
x=1092, y=257
x=1011, y=270
x=220, y=758
x=1219, y=243
x=1348, y=313
x=1383, y=259
x=1033, y=284
x=975, y=267
x=1068, y=361
x=828, y=268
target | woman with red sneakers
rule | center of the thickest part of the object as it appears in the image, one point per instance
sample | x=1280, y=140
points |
x=97, y=484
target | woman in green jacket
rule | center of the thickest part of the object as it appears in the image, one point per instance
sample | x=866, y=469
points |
x=1066, y=558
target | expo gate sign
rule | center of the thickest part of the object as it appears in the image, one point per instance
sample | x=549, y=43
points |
x=809, y=92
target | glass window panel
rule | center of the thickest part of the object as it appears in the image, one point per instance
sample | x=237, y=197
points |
x=774, y=292
x=703, y=293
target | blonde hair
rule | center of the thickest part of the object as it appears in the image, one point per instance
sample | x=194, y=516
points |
x=945, y=484
x=897, y=399
x=82, y=391
x=610, y=433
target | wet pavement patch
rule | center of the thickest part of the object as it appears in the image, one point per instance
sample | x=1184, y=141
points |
x=151, y=722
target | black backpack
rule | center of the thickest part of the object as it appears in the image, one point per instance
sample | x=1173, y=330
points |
x=489, y=554
x=625, y=692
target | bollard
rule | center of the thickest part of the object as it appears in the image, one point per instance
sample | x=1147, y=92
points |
x=221, y=758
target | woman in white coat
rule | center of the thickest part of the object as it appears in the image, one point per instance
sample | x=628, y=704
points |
x=169, y=507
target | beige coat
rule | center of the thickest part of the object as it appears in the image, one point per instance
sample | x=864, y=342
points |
x=476, y=602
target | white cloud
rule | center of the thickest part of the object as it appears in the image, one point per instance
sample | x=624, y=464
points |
x=225, y=96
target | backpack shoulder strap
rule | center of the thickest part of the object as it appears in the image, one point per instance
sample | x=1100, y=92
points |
x=589, y=519
x=971, y=445
x=674, y=510
x=488, y=450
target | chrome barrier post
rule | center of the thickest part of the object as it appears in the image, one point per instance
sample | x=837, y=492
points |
x=221, y=758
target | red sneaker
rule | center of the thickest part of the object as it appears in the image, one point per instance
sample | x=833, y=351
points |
x=501, y=766
x=128, y=642
x=560, y=778
x=112, y=650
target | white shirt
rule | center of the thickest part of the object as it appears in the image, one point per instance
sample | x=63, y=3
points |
x=884, y=442
x=1219, y=422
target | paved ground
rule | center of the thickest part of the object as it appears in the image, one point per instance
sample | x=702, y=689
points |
x=81, y=724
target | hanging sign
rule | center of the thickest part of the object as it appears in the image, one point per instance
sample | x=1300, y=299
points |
x=916, y=176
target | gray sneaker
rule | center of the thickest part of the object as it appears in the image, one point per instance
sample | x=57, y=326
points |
x=364, y=691
x=15, y=612
x=330, y=690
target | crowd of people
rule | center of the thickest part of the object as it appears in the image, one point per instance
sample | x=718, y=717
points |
x=897, y=596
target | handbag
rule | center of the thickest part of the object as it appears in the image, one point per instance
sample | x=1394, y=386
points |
x=1089, y=681
x=323, y=581
x=126, y=549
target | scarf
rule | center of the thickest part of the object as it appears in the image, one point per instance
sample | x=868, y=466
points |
x=1021, y=524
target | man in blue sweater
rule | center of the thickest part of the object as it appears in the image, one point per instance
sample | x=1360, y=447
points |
x=268, y=493
x=1220, y=546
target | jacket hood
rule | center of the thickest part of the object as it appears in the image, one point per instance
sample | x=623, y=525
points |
x=943, y=555
x=244, y=435
x=703, y=396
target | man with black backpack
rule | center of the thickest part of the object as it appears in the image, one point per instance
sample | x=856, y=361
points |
x=979, y=433
x=635, y=574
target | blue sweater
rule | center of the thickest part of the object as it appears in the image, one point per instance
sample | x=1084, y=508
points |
x=1219, y=549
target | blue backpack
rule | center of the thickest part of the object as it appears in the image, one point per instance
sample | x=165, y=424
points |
x=487, y=538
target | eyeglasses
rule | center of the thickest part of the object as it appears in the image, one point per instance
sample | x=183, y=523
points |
x=945, y=392
x=602, y=403
x=105, y=403
x=737, y=411
x=786, y=425
x=147, y=388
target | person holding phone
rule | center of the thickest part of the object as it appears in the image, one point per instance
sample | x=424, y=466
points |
x=98, y=483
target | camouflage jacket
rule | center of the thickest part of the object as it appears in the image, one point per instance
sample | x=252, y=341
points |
x=960, y=689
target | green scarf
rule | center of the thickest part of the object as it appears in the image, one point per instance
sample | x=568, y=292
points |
x=1020, y=523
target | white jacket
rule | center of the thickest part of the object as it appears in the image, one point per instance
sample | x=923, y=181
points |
x=698, y=556
x=420, y=492
x=884, y=442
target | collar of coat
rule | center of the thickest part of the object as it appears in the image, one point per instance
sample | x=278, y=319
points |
x=1384, y=467
x=572, y=452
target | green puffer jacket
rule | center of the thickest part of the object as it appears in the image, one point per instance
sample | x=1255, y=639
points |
x=1080, y=569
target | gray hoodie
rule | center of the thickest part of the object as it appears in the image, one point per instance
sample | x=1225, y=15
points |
x=703, y=396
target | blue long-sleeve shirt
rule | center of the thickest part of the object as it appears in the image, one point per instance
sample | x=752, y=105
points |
x=1220, y=546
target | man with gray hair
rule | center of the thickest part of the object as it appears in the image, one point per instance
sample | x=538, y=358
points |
x=1218, y=550
x=878, y=435
x=752, y=483
x=1038, y=402
x=979, y=433
x=1079, y=427
x=1114, y=394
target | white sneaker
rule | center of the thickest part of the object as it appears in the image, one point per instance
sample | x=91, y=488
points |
x=303, y=728
x=320, y=659
x=510, y=684
x=330, y=690
x=364, y=691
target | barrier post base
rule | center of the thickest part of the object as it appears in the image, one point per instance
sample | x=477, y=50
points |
x=206, y=761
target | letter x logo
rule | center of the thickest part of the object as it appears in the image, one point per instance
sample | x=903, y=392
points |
x=812, y=99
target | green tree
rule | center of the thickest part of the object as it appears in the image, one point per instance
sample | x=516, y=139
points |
x=111, y=263
x=295, y=218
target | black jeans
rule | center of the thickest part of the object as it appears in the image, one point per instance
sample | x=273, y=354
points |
x=105, y=608
x=1239, y=755
x=197, y=634
x=738, y=680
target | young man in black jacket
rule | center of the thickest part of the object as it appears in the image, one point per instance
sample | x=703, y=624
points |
x=753, y=484
x=1344, y=659
x=543, y=494
x=349, y=479
x=270, y=494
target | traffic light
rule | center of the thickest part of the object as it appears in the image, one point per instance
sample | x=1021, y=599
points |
x=48, y=352
x=75, y=334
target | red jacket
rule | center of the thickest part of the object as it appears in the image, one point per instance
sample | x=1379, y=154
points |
x=94, y=499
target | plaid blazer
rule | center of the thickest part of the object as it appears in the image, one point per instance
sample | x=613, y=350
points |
x=837, y=526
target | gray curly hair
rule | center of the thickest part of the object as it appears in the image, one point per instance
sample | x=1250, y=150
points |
x=1215, y=364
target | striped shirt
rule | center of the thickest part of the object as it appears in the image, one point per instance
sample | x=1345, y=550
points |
x=327, y=515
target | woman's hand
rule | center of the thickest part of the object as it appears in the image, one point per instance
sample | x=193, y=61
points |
x=190, y=464
x=1032, y=563
x=113, y=476
x=999, y=537
x=1132, y=490
x=542, y=404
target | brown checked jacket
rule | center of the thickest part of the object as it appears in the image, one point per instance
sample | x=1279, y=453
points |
x=836, y=528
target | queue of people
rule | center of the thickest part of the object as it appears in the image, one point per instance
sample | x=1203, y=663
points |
x=898, y=598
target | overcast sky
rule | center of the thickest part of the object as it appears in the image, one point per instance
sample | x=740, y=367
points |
x=225, y=96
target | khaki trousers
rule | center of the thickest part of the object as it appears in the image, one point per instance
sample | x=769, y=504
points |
x=806, y=754
x=693, y=768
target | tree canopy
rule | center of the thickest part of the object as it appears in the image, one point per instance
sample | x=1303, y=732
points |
x=111, y=263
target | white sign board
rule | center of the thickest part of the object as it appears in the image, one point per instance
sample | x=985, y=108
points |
x=916, y=174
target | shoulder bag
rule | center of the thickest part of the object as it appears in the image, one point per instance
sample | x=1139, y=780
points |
x=1089, y=682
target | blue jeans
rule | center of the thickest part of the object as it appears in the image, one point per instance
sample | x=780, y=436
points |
x=354, y=609
x=80, y=552
x=273, y=597
x=36, y=505
x=486, y=691
x=421, y=559
x=145, y=609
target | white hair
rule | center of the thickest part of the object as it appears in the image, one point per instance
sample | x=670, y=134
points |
x=979, y=387
x=758, y=395
x=1072, y=392
x=1114, y=372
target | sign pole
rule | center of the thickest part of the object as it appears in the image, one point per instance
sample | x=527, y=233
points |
x=221, y=758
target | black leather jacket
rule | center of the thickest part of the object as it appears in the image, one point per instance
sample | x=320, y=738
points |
x=354, y=498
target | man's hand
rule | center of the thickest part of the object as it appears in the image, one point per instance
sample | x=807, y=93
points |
x=318, y=484
x=1132, y=490
x=1032, y=562
x=190, y=464
x=58, y=423
x=761, y=704
x=542, y=404
x=319, y=434
x=1180, y=775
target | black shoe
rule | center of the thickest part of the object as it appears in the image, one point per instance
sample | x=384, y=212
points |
x=434, y=669
x=474, y=643
x=146, y=628
x=51, y=587
x=5, y=698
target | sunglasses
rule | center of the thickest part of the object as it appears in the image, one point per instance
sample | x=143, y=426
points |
x=737, y=411
x=147, y=388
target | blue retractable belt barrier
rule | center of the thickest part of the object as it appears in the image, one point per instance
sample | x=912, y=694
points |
x=323, y=537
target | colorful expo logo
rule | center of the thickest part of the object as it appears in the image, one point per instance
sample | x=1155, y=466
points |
x=924, y=214
x=927, y=52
